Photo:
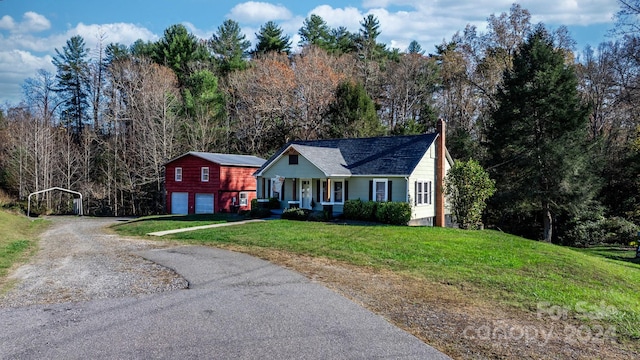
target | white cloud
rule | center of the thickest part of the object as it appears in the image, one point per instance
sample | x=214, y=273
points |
x=34, y=22
x=201, y=34
x=431, y=22
x=7, y=23
x=122, y=33
x=572, y=12
x=31, y=53
x=349, y=17
x=15, y=67
x=31, y=23
x=258, y=12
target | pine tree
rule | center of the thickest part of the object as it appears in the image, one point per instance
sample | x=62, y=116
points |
x=315, y=31
x=177, y=49
x=230, y=47
x=537, y=138
x=73, y=79
x=271, y=38
x=353, y=113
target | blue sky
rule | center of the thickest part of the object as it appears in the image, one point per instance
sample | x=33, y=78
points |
x=31, y=30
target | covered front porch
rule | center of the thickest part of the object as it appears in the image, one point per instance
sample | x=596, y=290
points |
x=306, y=193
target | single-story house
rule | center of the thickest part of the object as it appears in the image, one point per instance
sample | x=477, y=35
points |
x=323, y=174
x=207, y=183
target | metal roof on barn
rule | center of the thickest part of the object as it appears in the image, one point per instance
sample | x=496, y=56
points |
x=225, y=159
x=383, y=155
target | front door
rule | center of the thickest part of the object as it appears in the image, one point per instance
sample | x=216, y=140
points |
x=306, y=194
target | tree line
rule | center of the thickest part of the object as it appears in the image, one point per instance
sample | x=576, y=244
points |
x=556, y=128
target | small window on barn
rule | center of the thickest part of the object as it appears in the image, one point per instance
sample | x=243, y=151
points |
x=293, y=159
x=178, y=174
x=244, y=199
x=204, y=174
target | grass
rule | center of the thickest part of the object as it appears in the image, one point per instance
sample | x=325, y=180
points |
x=17, y=239
x=494, y=266
x=149, y=224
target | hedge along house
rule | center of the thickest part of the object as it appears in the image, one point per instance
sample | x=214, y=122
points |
x=207, y=183
x=323, y=174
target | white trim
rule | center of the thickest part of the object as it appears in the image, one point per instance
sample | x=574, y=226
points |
x=284, y=152
x=204, y=174
x=386, y=189
x=246, y=198
x=178, y=174
x=331, y=193
x=310, y=192
x=426, y=198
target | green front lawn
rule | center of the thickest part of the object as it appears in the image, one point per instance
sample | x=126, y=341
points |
x=487, y=264
x=143, y=226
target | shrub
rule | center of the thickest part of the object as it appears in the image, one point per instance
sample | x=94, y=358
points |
x=319, y=216
x=273, y=204
x=360, y=210
x=394, y=213
x=352, y=209
x=258, y=211
x=369, y=211
x=468, y=187
x=613, y=230
x=618, y=230
x=262, y=210
x=295, y=214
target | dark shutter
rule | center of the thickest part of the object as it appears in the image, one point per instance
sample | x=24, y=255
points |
x=370, y=190
x=415, y=192
x=294, y=194
x=318, y=191
x=264, y=188
x=346, y=190
x=282, y=190
x=268, y=189
x=389, y=187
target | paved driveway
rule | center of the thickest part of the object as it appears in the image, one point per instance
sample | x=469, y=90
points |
x=236, y=307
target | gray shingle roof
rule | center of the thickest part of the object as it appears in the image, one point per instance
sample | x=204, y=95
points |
x=384, y=155
x=227, y=159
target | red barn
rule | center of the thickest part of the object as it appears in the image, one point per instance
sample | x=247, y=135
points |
x=207, y=183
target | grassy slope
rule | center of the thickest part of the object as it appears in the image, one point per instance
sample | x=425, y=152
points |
x=492, y=265
x=167, y=222
x=17, y=238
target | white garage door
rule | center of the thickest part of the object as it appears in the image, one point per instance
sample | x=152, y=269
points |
x=179, y=203
x=204, y=203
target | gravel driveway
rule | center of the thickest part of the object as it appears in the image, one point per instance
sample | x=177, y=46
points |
x=239, y=307
x=78, y=261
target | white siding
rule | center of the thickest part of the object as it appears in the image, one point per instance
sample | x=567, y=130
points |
x=425, y=171
x=303, y=170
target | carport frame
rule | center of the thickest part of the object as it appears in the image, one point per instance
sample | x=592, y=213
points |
x=80, y=213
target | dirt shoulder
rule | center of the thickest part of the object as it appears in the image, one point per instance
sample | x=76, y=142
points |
x=78, y=260
x=452, y=321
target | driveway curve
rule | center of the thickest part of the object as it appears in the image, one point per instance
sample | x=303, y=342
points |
x=236, y=307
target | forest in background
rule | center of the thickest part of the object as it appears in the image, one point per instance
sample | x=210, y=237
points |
x=557, y=128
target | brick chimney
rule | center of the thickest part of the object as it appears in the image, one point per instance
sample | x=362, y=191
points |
x=440, y=173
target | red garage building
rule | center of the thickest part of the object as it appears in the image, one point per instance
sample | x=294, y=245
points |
x=207, y=183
